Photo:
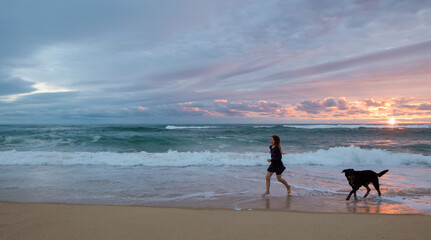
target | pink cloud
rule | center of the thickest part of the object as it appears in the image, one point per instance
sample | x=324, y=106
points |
x=343, y=104
x=329, y=108
x=186, y=103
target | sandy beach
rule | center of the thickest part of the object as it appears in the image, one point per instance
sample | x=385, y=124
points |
x=68, y=221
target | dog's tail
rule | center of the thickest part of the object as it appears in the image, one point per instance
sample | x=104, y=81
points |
x=382, y=173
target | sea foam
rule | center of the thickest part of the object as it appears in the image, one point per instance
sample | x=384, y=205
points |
x=351, y=156
x=173, y=127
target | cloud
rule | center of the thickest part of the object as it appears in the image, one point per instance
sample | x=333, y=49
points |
x=317, y=106
x=313, y=106
x=190, y=73
x=373, y=103
x=140, y=108
x=343, y=104
x=247, y=108
x=330, y=102
x=237, y=109
x=155, y=54
x=329, y=108
x=356, y=111
x=392, y=56
x=11, y=86
x=49, y=98
x=424, y=106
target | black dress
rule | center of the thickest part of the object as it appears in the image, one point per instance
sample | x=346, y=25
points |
x=276, y=163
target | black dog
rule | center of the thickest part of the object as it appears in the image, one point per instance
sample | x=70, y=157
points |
x=358, y=179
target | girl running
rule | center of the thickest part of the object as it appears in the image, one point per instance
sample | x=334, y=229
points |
x=276, y=165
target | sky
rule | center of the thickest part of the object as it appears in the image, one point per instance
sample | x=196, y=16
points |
x=212, y=61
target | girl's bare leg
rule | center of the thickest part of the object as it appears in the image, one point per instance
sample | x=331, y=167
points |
x=280, y=179
x=268, y=182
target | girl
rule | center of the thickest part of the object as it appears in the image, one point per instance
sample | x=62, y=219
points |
x=276, y=164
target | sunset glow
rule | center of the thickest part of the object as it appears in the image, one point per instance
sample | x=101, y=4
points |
x=213, y=62
x=378, y=110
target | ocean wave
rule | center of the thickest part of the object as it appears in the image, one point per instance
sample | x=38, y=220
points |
x=127, y=128
x=357, y=156
x=172, y=127
x=342, y=156
x=355, y=126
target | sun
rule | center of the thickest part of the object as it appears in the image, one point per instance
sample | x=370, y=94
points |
x=392, y=121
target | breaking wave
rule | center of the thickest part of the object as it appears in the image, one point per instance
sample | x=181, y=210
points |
x=352, y=156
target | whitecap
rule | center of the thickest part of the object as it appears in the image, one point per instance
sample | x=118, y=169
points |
x=337, y=156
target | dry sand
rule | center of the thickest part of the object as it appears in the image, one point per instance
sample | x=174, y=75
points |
x=66, y=221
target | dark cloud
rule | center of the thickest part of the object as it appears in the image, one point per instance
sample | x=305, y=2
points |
x=357, y=111
x=424, y=106
x=373, y=103
x=11, y=85
x=243, y=108
x=407, y=106
x=313, y=107
x=330, y=102
x=47, y=98
x=343, y=104
x=316, y=106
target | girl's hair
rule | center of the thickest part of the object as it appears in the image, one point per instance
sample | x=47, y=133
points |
x=277, y=142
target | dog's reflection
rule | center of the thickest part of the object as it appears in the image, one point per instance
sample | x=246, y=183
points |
x=363, y=206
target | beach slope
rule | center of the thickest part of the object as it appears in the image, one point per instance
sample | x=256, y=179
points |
x=67, y=221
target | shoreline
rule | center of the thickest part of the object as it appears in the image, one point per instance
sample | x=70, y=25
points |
x=213, y=208
x=293, y=203
x=209, y=187
x=83, y=221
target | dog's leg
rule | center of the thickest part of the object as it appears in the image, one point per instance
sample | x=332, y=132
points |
x=377, y=186
x=348, y=196
x=354, y=194
x=368, y=190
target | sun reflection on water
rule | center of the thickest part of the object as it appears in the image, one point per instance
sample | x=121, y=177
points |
x=365, y=206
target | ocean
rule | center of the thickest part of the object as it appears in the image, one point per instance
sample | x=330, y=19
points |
x=216, y=166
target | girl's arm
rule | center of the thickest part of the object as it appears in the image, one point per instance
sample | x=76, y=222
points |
x=276, y=155
x=270, y=151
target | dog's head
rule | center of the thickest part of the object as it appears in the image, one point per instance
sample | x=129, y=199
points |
x=350, y=175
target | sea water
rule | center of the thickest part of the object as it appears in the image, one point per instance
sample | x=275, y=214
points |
x=218, y=166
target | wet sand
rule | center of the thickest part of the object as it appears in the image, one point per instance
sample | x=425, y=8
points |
x=69, y=221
